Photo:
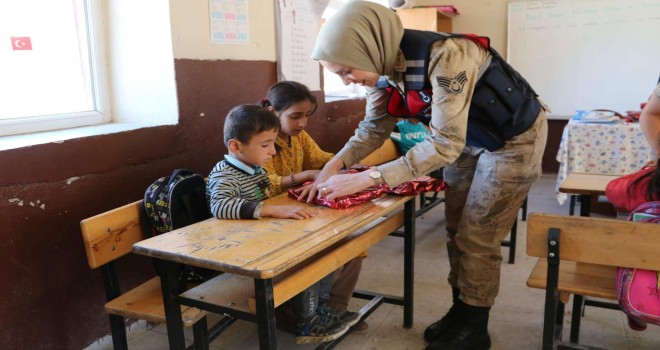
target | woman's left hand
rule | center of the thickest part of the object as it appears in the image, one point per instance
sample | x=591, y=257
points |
x=344, y=184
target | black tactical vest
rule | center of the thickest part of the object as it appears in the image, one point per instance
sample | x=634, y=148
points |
x=503, y=105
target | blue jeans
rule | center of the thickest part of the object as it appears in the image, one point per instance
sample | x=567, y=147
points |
x=306, y=302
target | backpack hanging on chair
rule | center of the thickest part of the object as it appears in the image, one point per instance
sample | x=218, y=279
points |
x=639, y=290
x=173, y=202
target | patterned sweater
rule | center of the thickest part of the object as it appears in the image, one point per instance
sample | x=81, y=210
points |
x=236, y=190
x=302, y=154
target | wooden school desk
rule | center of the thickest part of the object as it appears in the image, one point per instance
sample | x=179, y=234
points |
x=615, y=148
x=263, y=251
x=586, y=185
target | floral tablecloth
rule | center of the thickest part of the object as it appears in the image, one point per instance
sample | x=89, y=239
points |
x=617, y=149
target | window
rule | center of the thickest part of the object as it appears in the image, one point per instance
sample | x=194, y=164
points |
x=48, y=65
x=84, y=67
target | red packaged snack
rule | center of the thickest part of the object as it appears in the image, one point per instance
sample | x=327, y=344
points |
x=418, y=185
x=347, y=201
x=415, y=186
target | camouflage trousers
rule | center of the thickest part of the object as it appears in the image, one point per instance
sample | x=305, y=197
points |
x=485, y=192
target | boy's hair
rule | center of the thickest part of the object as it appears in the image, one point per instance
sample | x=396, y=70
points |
x=244, y=121
x=285, y=93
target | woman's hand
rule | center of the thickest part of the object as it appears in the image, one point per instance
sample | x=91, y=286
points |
x=344, y=184
x=331, y=168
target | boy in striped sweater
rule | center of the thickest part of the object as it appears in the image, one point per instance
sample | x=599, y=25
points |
x=237, y=188
x=238, y=185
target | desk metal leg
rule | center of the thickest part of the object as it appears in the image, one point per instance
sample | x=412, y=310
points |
x=576, y=318
x=585, y=205
x=408, y=262
x=173, y=319
x=571, y=208
x=263, y=290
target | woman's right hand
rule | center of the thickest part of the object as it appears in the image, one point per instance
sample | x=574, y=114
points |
x=331, y=168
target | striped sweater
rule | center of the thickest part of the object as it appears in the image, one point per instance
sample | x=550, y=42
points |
x=233, y=193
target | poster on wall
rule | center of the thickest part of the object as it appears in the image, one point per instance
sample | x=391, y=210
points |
x=229, y=21
x=298, y=22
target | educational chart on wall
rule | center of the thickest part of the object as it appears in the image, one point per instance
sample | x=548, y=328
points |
x=298, y=25
x=586, y=54
x=229, y=22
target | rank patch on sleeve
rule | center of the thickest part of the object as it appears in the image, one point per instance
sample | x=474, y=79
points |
x=453, y=85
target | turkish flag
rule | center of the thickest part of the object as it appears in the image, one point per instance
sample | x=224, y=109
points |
x=21, y=43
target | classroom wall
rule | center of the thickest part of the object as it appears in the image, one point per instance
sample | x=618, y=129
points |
x=50, y=297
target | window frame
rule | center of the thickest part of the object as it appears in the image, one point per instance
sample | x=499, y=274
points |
x=95, y=28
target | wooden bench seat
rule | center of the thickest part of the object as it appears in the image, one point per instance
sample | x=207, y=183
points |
x=145, y=302
x=109, y=236
x=578, y=256
x=577, y=278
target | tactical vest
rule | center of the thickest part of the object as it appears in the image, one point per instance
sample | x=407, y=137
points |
x=503, y=104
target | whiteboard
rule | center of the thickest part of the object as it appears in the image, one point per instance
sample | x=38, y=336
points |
x=586, y=54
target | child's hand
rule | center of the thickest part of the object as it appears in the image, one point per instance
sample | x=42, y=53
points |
x=287, y=212
x=310, y=175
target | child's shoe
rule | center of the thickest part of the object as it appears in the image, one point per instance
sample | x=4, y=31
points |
x=319, y=330
x=348, y=317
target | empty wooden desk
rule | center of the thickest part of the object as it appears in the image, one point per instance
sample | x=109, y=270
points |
x=586, y=185
x=266, y=250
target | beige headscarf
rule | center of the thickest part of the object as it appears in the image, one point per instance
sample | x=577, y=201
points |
x=362, y=35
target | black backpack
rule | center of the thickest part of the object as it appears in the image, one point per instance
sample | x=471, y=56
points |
x=173, y=202
x=176, y=201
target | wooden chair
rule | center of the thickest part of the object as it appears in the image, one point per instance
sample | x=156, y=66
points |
x=109, y=236
x=579, y=256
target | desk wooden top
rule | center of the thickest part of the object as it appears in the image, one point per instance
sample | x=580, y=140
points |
x=585, y=183
x=267, y=247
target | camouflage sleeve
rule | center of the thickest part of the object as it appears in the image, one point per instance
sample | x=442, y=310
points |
x=372, y=131
x=453, y=70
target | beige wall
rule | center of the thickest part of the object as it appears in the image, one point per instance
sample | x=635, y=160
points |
x=191, y=36
x=488, y=18
x=191, y=32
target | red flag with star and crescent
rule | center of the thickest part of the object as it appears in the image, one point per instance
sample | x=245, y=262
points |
x=21, y=43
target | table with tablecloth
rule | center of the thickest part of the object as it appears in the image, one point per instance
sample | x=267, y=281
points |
x=601, y=148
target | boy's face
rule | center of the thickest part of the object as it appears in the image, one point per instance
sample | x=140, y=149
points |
x=258, y=151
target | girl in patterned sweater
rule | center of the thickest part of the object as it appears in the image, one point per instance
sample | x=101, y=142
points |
x=299, y=159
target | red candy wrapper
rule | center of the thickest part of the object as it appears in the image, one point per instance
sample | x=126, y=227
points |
x=418, y=185
x=415, y=186
x=347, y=201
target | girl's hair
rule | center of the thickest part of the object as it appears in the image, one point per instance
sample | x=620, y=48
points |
x=653, y=190
x=286, y=93
x=245, y=121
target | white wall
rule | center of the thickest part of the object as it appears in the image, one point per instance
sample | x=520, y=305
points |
x=141, y=65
